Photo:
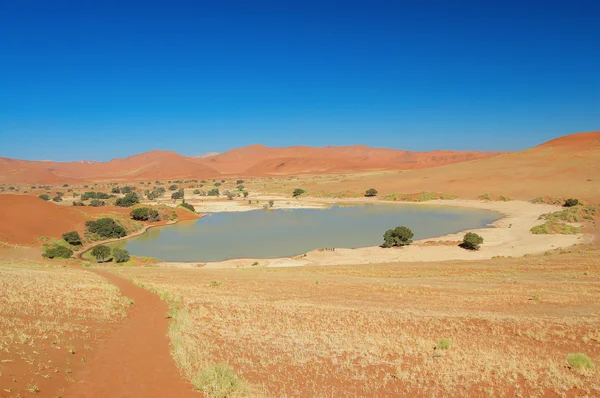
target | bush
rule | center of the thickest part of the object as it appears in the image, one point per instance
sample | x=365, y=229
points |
x=471, y=241
x=297, y=192
x=106, y=228
x=97, y=203
x=217, y=184
x=188, y=206
x=72, y=238
x=230, y=195
x=196, y=192
x=120, y=255
x=245, y=194
x=444, y=344
x=127, y=189
x=580, y=361
x=271, y=203
x=144, y=214
x=57, y=198
x=571, y=202
x=240, y=187
x=78, y=204
x=238, y=182
x=178, y=195
x=399, y=236
x=173, y=187
x=116, y=190
x=371, y=192
x=128, y=200
x=44, y=197
x=213, y=192
x=58, y=252
x=101, y=253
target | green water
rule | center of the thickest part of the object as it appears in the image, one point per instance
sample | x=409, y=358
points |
x=284, y=233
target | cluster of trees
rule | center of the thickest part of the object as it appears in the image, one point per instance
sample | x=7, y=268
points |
x=106, y=228
x=58, y=252
x=96, y=195
x=102, y=253
x=145, y=214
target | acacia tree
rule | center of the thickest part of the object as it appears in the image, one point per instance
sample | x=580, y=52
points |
x=371, y=192
x=399, y=236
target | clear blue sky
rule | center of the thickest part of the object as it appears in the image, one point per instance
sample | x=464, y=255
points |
x=100, y=79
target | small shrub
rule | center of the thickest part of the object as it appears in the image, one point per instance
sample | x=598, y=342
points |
x=44, y=197
x=571, y=202
x=371, y=192
x=271, y=203
x=214, y=283
x=57, y=198
x=173, y=187
x=485, y=196
x=245, y=194
x=188, y=206
x=217, y=184
x=116, y=190
x=471, y=241
x=399, y=236
x=444, y=344
x=240, y=187
x=219, y=381
x=213, y=192
x=230, y=195
x=72, y=238
x=101, y=252
x=120, y=255
x=78, y=203
x=196, y=192
x=580, y=361
x=298, y=192
x=238, y=182
x=58, y=252
x=552, y=227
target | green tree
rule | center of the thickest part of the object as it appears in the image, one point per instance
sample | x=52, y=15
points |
x=128, y=200
x=120, y=255
x=238, y=182
x=73, y=238
x=116, y=190
x=97, y=203
x=240, y=187
x=271, y=203
x=213, y=192
x=173, y=187
x=297, y=192
x=399, y=236
x=178, y=195
x=371, y=192
x=188, y=206
x=245, y=194
x=144, y=214
x=44, y=197
x=471, y=241
x=101, y=252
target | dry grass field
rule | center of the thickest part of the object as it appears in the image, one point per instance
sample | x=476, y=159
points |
x=503, y=327
x=51, y=319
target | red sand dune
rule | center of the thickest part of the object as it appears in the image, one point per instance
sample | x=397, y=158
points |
x=25, y=218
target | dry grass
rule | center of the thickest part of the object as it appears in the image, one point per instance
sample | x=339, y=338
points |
x=378, y=330
x=49, y=317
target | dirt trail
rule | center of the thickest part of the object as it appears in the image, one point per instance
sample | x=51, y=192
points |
x=135, y=359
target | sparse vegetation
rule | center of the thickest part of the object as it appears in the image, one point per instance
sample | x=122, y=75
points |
x=553, y=227
x=188, y=206
x=444, y=344
x=399, y=236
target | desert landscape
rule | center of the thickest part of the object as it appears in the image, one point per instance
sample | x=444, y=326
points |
x=518, y=316
x=309, y=199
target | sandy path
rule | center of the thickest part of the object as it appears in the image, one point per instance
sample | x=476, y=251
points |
x=135, y=360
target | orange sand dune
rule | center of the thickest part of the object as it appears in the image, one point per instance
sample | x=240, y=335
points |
x=567, y=166
x=258, y=160
x=255, y=160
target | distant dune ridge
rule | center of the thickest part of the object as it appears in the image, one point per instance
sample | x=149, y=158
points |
x=555, y=157
x=254, y=160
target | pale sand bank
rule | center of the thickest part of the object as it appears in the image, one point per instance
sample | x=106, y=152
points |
x=510, y=236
